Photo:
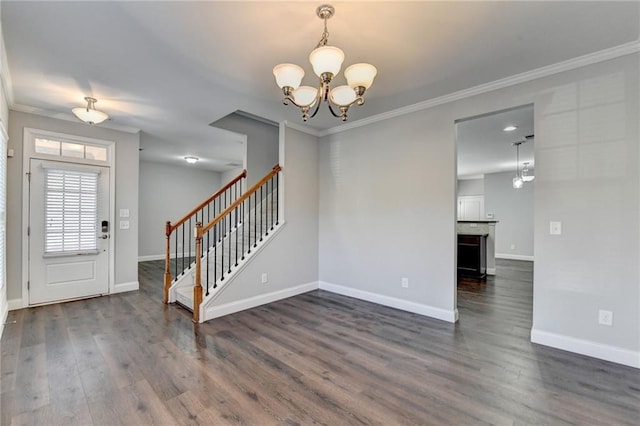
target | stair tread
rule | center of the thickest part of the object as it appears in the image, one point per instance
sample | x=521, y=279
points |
x=184, y=296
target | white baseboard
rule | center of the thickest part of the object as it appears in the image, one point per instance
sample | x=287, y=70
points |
x=150, y=257
x=405, y=305
x=122, y=287
x=586, y=347
x=251, y=302
x=491, y=271
x=15, y=304
x=514, y=256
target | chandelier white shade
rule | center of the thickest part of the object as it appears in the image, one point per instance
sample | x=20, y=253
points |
x=90, y=114
x=326, y=59
x=305, y=95
x=360, y=75
x=326, y=62
x=288, y=75
x=342, y=95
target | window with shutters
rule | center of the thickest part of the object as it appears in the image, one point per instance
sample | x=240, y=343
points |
x=71, y=209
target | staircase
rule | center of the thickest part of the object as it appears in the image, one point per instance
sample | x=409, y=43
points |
x=226, y=243
x=229, y=255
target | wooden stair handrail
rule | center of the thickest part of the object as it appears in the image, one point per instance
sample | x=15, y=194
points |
x=169, y=228
x=203, y=230
x=207, y=201
x=200, y=231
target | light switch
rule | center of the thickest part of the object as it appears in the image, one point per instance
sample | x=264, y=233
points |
x=555, y=228
x=124, y=212
x=124, y=224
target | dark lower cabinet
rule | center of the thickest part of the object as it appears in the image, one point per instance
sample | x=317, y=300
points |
x=472, y=255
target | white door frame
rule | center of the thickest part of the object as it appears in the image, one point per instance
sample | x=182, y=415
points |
x=28, y=153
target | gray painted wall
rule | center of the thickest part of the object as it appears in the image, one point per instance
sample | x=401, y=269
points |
x=387, y=194
x=186, y=186
x=513, y=209
x=291, y=258
x=262, y=144
x=471, y=187
x=126, y=241
x=387, y=209
x=229, y=175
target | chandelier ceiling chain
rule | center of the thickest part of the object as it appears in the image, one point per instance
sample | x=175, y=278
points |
x=325, y=12
x=326, y=61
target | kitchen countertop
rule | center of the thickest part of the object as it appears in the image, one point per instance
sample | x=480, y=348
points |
x=478, y=221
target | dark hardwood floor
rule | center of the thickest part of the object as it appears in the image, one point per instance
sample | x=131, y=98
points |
x=316, y=358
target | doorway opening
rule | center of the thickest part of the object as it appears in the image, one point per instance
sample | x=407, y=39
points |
x=495, y=206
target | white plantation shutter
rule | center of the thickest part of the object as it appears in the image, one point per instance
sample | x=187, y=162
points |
x=71, y=211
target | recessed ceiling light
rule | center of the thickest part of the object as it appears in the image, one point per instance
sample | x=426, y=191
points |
x=510, y=128
x=191, y=160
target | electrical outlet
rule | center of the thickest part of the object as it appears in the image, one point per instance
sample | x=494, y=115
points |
x=605, y=317
x=513, y=246
x=555, y=228
x=265, y=278
x=405, y=282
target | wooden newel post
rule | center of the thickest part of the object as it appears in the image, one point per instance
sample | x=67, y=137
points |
x=197, y=288
x=167, y=263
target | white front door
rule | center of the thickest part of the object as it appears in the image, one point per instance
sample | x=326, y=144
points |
x=69, y=231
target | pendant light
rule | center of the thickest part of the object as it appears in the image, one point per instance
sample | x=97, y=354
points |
x=521, y=178
x=526, y=176
x=518, y=182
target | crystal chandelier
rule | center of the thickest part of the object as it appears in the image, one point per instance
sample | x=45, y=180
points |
x=326, y=61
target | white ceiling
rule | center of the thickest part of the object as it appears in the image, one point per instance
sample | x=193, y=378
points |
x=171, y=68
x=484, y=147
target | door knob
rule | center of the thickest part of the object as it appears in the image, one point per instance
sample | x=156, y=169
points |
x=105, y=236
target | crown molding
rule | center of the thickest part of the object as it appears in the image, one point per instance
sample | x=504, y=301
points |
x=68, y=117
x=570, y=64
x=303, y=129
x=257, y=118
x=5, y=74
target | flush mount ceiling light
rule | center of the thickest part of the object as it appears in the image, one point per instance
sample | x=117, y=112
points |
x=90, y=114
x=191, y=159
x=326, y=61
x=509, y=128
